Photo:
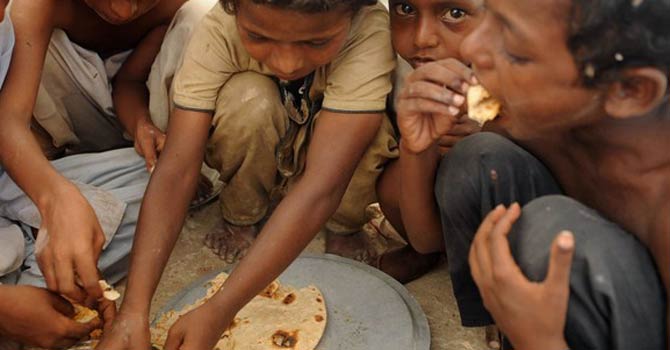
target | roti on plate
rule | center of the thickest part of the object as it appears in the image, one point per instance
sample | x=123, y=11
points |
x=481, y=106
x=280, y=317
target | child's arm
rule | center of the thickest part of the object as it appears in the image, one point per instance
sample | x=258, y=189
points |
x=161, y=218
x=427, y=109
x=339, y=142
x=417, y=204
x=75, y=237
x=131, y=97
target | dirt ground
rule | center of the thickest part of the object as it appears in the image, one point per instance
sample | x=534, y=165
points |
x=191, y=259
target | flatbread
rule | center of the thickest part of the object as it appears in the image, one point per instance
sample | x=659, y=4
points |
x=82, y=314
x=481, y=106
x=279, y=318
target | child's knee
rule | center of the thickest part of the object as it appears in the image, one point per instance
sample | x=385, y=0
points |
x=597, y=240
x=248, y=108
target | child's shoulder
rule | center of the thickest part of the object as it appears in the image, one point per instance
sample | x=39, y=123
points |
x=370, y=32
x=369, y=18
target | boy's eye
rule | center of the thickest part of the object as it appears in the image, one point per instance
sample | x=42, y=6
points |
x=256, y=37
x=454, y=15
x=317, y=43
x=404, y=9
x=514, y=59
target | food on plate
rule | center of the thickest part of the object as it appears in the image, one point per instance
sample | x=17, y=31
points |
x=280, y=317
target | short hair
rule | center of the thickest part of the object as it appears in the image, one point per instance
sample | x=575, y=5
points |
x=607, y=36
x=307, y=6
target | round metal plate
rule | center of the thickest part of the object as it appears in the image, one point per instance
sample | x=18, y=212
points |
x=367, y=309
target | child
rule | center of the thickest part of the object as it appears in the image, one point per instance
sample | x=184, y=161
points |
x=324, y=145
x=426, y=33
x=587, y=99
x=60, y=88
x=29, y=315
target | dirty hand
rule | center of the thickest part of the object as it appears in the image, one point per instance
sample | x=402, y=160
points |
x=68, y=245
x=188, y=332
x=149, y=142
x=37, y=317
x=129, y=331
x=463, y=128
x=532, y=315
x=107, y=310
x=431, y=102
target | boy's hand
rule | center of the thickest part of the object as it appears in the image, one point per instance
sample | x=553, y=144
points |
x=431, y=102
x=37, y=317
x=69, y=244
x=199, y=329
x=129, y=331
x=531, y=314
x=149, y=142
x=464, y=127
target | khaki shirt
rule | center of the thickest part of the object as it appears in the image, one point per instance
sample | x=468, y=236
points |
x=356, y=80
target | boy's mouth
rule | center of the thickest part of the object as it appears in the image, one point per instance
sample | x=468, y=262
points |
x=417, y=62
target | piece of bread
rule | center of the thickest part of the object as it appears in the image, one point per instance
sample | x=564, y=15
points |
x=108, y=292
x=84, y=314
x=481, y=106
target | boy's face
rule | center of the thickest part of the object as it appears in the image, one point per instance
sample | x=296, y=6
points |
x=428, y=30
x=121, y=11
x=291, y=44
x=520, y=54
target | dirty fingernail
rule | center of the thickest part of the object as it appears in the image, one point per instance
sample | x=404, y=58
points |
x=459, y=100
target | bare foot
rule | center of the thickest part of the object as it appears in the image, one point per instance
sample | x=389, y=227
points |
x=406, y=264
x=354, y=246
x=231, y=242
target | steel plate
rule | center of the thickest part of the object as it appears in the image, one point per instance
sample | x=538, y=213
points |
x=367, y=309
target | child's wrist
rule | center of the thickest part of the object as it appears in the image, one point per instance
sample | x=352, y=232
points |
x=433, y=148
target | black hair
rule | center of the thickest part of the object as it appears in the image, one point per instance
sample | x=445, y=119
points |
x=606, y=36
x=308, y=6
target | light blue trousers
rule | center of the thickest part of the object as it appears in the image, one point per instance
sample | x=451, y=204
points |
x=120, y=172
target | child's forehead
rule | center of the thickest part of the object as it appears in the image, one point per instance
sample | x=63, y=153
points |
x=449, y=3
x=273, y=21
x=306, y=7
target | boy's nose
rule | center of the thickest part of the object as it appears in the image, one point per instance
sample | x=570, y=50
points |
x=476, y=47
x=425, y=35
x=286, y=60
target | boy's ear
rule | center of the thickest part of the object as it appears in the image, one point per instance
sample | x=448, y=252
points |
x=638, y=92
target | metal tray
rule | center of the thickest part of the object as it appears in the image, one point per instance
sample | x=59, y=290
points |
x=367, y=309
